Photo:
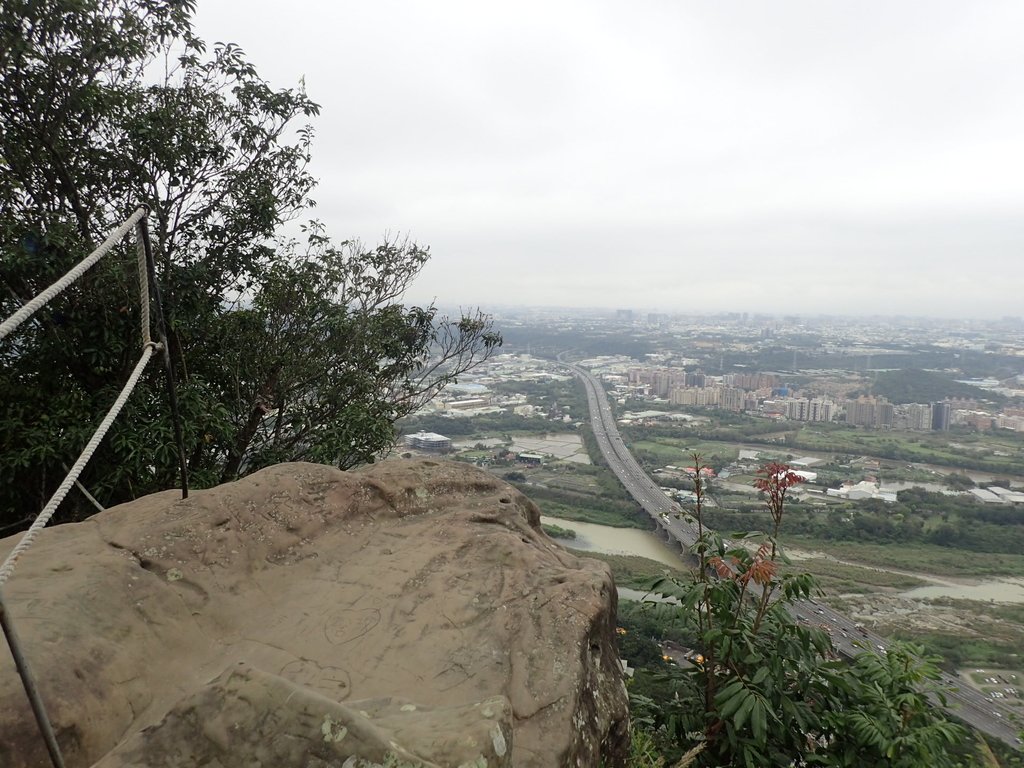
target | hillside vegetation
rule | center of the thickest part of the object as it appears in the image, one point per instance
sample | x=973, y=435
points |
x=913, y=385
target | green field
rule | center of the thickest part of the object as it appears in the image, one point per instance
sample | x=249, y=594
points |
x=632, y=570
x=680, y=451
x=586, y=514
x=992, y=452
x=917, y=558
x=837, y=578
x=1001, y=453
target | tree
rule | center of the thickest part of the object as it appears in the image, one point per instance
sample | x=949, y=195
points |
x=284, y=350
x=323, y=361
x=771, y=690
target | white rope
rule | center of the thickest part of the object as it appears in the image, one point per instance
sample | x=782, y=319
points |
x=140, y=252
x=76, y=272
x=44, y=517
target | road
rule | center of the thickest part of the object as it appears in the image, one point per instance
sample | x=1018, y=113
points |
x=973, y=707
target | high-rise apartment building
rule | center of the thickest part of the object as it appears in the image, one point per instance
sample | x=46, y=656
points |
x=732, y=399
x=751, y=380
x=696, y=380
x=870, y=412
x=941, y=413
x=919, y=416
x=804, y=409
x=695, y=396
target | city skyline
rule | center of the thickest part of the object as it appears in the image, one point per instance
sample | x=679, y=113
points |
x=802, y=157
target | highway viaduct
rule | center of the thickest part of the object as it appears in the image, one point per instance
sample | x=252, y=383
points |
x=967, y=704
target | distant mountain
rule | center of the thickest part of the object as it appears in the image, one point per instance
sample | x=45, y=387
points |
x=914, y=385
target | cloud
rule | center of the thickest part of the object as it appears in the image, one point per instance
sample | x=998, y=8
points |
x=587, y=153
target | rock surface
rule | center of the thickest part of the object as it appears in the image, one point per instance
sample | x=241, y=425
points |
x=395, y=602
x=247, y=717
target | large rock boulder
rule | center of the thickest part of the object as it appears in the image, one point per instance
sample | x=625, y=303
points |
x=249, y=718
x=392, y=605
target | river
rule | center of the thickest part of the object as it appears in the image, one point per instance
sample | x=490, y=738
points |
x=1008, y=590
x=633, y=541
x=616, y=541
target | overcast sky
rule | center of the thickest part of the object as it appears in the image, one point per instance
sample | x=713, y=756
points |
x=811, y=156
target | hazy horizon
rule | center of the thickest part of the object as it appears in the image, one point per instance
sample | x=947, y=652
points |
x=796, y=157
x=725, y=312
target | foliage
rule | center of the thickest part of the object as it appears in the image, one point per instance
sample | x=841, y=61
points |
x=913, y=385
x=484, y=424
x=882, y=714
x=1001, y=453
x=633, y=571
x=958, y=482
x=918, y=516
x=583, y=512
x=569, y=505
x=558, y=532
x=285, y=350
x=323, y=362
x=771, y=691
x=643, y=751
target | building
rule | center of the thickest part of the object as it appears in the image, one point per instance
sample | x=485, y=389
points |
x=530, y=459
x=704, y=471
x=428, y=441
x=1016, y=423
x=465, y=403
x=916, y=416
x=732, y=399
x=801, y=409
x=979, y=420
x=870, y=412
x=865, y=489
x=694, y=396
x=941, y=413
x=986, y=495
x=751, y=380
x=804, y=409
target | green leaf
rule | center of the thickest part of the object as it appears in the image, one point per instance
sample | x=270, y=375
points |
x=757, y=719
x=760, y=676
x=744, y=710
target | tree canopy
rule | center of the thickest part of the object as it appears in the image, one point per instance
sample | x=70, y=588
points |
x=913, y=385
x=287, y=347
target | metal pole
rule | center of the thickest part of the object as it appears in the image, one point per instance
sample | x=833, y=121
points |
x=142, y=230
x=28, y=681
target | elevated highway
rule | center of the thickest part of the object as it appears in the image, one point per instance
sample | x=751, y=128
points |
x=968, y=704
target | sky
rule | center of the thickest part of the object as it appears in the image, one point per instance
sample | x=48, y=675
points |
x=792, y=156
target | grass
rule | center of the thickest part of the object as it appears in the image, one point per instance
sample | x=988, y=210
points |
x=666, y=453
x=836, y=577
x=918, y=447
x=634, y=571
x=584, y=515
x=920, y=558
x=568, y=480
x=680, y=450
x=978, y=451
x=959, y=651
x=1008, y=612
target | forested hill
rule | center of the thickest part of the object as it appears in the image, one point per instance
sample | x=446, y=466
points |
x=914, y=385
